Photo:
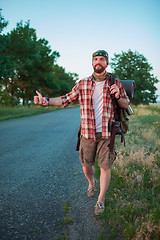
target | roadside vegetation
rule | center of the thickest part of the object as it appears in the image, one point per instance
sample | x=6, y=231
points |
x=62, y=232
x=133, y=198
x=7, y=113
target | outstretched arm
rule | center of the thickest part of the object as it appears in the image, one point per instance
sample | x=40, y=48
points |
x=55, y=101
x=52, y=101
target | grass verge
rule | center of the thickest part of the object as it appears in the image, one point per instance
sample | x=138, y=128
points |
x=7, y=113
x=132, y=201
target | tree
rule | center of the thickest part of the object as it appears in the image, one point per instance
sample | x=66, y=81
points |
x=6, y=62
x=4, y=41
x=31, y=63
x=3, y=22
x=27, y=64
x=134, y=66
x=63, y=81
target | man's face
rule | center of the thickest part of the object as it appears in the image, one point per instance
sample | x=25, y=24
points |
x=99, y=64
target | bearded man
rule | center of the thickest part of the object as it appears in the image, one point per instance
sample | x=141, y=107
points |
x=94, y=96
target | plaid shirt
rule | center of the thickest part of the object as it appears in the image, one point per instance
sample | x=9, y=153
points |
x=83, y=92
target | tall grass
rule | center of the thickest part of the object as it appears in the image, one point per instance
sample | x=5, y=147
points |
x=7, y=113
x=133, y=198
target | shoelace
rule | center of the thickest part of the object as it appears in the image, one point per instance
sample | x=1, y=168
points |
x=91, y=190
x=101, y=205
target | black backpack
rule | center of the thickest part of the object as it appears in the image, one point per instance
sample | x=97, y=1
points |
x=121, y=124
x=120, y=113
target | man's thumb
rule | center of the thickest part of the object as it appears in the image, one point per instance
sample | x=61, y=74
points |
x=39, y=97
x=38, y=94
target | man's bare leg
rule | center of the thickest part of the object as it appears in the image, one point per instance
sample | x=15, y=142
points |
x=89, y=174
x=105, y=177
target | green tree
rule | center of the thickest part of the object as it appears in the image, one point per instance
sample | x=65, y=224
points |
x=4, y=41
x=3, y=22
x=6, y=63
x=35, y=61
x=28, y=64
x=63, y=82
x=134, y=66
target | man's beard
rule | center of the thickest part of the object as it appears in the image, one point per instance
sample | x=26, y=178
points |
x=99, y=70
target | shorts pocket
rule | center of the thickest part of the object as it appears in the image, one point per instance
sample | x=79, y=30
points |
x=112, y=157
x=81, y=155
x=87, y=151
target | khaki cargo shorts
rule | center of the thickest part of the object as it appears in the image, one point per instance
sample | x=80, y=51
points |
x=89, y=149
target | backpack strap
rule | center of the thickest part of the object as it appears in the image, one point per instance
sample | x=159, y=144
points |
x=114, y=101
x=116, y=126
x=79, y=138
x=112, y=81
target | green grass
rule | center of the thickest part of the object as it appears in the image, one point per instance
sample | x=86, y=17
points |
x=67, y=220
x=62, y=231
x=67, y=207
x=32, y=230
x=7, y=113
x=132, y=200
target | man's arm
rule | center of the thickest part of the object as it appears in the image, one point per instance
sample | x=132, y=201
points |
x=52, y=101
x=123, y=102
x=55, y=101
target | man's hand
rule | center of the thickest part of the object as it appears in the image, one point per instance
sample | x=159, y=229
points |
x=38, y=99
x=123, y=102
x=114, y=89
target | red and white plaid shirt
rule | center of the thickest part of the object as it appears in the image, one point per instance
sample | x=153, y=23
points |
x=83, y=92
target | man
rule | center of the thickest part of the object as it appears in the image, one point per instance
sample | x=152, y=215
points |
x=94, y=95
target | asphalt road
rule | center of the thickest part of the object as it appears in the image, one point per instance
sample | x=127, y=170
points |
x=39, y=171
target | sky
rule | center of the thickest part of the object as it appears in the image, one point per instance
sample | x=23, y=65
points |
x=78, y=28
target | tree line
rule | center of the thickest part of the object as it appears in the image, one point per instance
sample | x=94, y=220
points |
x=28, y=63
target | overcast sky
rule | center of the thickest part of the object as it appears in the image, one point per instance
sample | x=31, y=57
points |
x=77, y=28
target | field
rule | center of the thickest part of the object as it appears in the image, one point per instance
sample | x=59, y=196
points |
x=133, y=198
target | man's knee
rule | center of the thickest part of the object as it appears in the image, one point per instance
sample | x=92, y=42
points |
x=88, y=169
x=104, y=169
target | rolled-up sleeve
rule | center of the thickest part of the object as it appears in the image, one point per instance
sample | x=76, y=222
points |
x=71, y=97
